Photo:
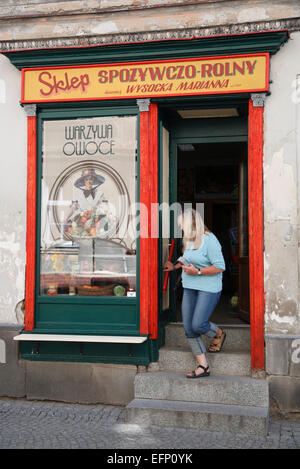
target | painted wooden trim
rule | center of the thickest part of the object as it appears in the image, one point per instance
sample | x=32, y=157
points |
x=154, y=41
x=153, y=219
x=165, y=284
x=256, y=268
x=149, y=221
x=80, y=338
x=144, y=229
x=30, y=224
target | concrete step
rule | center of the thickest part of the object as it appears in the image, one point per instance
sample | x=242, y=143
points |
x=237, y=363
x=237, y=337
x=230, y=390
x=202, y=416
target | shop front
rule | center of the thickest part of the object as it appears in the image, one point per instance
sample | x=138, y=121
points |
x=117, y=137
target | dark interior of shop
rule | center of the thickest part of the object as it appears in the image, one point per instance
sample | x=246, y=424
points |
x=215, y=174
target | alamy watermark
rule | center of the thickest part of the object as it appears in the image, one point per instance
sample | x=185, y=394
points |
x=296, y=90
x=2, y=91
x=139, y=220
x=296, y=351
x=2, y=85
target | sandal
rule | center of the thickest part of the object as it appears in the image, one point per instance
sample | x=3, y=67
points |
x=216, y=347
x=201, y=375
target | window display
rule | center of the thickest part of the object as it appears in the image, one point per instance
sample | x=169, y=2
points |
x=88, y=239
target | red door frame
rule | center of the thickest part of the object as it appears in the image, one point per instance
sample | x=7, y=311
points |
x=31, y=218
x=256, y=229
x=149, y=244
x=149, y=219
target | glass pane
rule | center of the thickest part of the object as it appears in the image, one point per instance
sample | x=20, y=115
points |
x=88, y=241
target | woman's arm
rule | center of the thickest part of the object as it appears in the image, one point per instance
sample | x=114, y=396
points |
x=210, y=270
x=169, y=267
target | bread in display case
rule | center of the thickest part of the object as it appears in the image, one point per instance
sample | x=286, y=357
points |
x=88, y=267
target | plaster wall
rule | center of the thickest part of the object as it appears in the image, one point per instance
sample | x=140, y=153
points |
x=281, y=195
x=12, y=194
x=66, y=23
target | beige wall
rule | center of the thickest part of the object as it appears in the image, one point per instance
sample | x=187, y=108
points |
x=281, y=193
x=12, y=192
x=66, y=22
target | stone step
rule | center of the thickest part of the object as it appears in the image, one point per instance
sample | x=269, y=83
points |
x=237, y=363
x=231, y=390
x=237, y=337
x=248, y=420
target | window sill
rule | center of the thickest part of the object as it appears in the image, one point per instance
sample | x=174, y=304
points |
x=80, y=338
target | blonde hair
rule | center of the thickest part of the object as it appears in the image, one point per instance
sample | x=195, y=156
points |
x=193, y=228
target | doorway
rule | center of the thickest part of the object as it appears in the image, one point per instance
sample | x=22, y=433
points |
x=214, y=174
x=246, y=128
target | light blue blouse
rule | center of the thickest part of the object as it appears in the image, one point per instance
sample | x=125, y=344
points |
x=209, y=253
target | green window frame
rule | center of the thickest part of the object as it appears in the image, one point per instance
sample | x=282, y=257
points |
x=75, y=314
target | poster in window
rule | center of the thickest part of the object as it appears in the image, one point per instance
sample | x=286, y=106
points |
x=88, y=195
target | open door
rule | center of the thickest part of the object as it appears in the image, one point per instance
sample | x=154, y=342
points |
x=213, y=175
x=243, y=239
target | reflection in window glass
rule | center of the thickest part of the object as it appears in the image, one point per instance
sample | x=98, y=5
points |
x=88, y=240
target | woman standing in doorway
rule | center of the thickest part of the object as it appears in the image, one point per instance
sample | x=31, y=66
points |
x=202, y=286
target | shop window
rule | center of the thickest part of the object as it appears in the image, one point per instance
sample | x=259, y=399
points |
x=88, y=196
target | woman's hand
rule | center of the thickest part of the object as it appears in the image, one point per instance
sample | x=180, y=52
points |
x=190, y=269
x=168, y=266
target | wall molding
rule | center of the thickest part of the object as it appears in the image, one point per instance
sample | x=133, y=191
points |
x=291, y=25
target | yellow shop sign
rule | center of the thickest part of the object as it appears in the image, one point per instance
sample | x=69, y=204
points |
x=184, y=77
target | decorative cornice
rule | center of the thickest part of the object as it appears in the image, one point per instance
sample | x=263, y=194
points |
x=132, y=38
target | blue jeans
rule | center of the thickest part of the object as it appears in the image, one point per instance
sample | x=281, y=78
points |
x=197, y=307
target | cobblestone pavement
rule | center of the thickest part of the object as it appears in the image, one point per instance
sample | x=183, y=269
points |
x=52, y=425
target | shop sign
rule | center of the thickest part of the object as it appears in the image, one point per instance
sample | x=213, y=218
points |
x=184, y=77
